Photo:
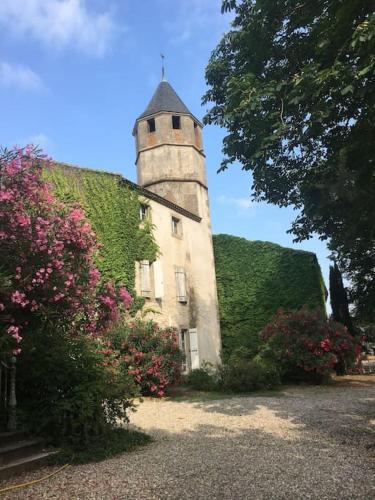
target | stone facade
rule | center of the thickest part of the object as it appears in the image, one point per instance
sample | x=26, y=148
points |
x=181, y=285
x=170, y=162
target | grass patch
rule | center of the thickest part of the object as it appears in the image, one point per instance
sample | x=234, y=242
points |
x=112, y=443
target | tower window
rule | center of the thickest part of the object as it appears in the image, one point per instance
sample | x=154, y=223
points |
x=143, y=211
x=151, y=125
x=176, y=122
x=176, y=226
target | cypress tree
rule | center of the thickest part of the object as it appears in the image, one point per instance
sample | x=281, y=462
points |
x=339, y=299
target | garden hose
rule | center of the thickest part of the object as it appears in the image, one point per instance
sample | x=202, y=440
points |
x=16, y=486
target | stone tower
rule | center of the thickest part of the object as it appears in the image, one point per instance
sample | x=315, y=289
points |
x=170, y=158
x=181, y=284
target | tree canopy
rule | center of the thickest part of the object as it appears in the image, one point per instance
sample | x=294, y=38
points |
x=293, y=82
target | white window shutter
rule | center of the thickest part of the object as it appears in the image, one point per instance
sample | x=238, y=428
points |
x=194, y=351
x=145, y=278
x=158, y=279
x=181, y=284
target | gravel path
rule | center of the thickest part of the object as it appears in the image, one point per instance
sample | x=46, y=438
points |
x=307, y=443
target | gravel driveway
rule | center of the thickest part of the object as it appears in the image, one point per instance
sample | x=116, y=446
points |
x=310, y=442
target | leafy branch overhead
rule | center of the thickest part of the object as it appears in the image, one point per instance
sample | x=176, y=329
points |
x=293, y=83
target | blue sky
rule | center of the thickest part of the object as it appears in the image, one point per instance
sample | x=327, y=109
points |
x=75, y=74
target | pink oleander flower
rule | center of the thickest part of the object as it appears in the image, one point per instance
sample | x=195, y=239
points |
x=6, y=196
x=76, y=215
x=19, y=298
x=49, y=249
x=14, y=332
x=94, y=276
x=125, y=297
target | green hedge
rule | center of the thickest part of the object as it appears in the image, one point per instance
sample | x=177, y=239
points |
x=255, y=278
x=113, y=210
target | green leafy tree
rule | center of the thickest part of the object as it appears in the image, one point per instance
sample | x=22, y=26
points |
x=293, y=83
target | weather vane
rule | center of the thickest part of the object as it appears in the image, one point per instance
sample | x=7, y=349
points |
x=162, y=68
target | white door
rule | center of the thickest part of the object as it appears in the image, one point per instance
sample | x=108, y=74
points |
x=194, y=352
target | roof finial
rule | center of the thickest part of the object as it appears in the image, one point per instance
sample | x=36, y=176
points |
x=162, y=68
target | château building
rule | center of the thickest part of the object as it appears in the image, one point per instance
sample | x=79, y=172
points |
x=179, y=286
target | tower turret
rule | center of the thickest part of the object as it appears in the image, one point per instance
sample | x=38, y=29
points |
x=170, y=158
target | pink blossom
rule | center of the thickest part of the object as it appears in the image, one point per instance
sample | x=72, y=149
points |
x=51, y=248
x=125, y=297
x=5, y=195
x=14, y=332
x=19, y=298
x=76, y=215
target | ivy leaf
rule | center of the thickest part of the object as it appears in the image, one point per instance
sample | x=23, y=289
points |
x=347, y=89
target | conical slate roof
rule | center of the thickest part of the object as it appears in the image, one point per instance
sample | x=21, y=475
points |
x=165, y=99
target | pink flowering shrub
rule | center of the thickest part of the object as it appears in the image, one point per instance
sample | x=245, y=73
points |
x=47, y=249
x=55, y=309
x=148, y=353
x=307, y=346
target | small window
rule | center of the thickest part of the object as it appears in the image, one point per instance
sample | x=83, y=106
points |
x=143, y=211
x=176, y=226
x=151, y=125
x=176, y=122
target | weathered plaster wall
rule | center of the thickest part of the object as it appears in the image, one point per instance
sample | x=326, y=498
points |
x=169, y=159
x=170, y=163
x=193, y=251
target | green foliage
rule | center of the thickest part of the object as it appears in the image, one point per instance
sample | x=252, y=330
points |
x=67, y=390
x=255, y=279
x=109, y=444
x=202, y=379
x=293, y=83
x=241, y=374
x=113, y=210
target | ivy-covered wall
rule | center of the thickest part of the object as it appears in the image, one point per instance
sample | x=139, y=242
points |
x=255, y=278
x=113, y=210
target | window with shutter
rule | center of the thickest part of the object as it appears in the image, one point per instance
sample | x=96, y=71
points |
x=145, y=279
x=185, y=348
x=181, y=284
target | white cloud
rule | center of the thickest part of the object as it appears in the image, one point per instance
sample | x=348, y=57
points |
x=59, y=23
x=18, y=76
x=243, y=205
x=40, y=140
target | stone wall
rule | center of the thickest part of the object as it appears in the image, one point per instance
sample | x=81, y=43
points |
x=192, y=250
